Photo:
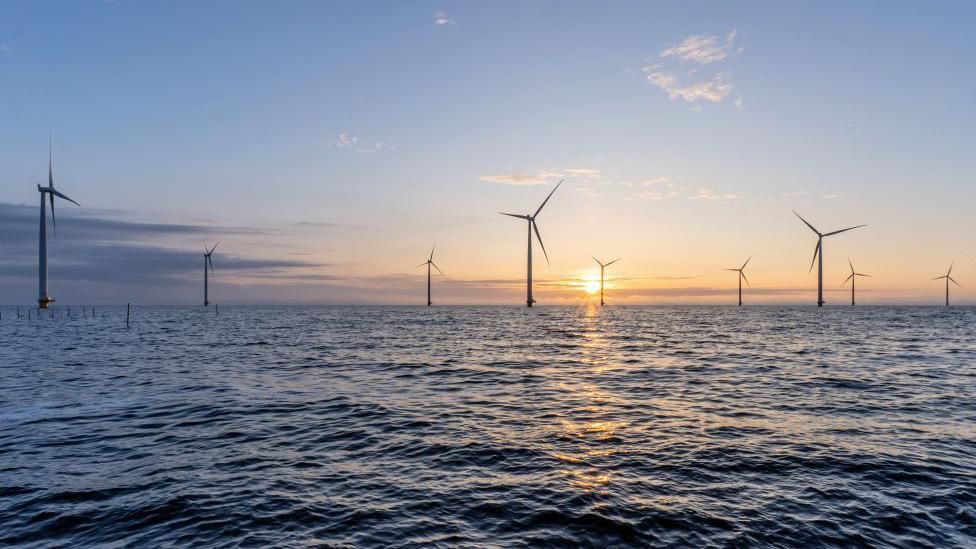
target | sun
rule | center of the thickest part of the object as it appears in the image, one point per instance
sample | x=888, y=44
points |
x=591, y=283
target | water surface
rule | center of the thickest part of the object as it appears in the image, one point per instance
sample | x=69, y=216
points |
x=490, y=426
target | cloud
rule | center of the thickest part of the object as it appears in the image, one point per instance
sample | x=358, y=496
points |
x=584, y=172
x=714, y=90
x=655, y=181
x=702, y=49
x=516, y=179
x=318, y=224
x=544, y=177
x=695, y=84
x=346, y=141
x=708, y=194
x=441, y=19
x=5, y=49
x=114, y=256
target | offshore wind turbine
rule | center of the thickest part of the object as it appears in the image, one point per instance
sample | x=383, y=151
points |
x=43, y=298
x=430, y=263
x=207, y=262
x=948, y=277
x=853, y=277
x=529, y=300
x=818, y=254
x=742, y=276
x=603, y=267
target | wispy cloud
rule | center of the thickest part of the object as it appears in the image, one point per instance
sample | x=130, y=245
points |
x=516, y=179
x=583, y=172
x=715, y=90
x=441, y=19
x=353, y=142
x=690, y=84
x=542, y=177
x=709, y=194
x=702, y=49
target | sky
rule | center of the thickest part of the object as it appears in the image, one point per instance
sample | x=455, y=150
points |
x=328, y=145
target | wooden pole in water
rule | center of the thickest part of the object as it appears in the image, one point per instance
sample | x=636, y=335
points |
x=128, y=308
x=216, y=309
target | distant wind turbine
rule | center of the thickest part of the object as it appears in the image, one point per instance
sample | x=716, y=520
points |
x=430, y=263
x=948, y=277
x=818, y=254
x=853, y=277
x=603, y=267
x=207, y=262
x=529, y=300
x=742, y=276
x=43, y=298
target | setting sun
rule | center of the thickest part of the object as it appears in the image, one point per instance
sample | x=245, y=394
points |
x=591, y=283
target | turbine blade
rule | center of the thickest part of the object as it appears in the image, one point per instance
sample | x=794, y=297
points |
x=539, y=236
x=612, y=262
x=850, y=276
x=210, y=262
x=515, y=215
x=862, y=274
x=215, y=247
x=812, y=228
x=438, y=269
x=851, y=264
x=432, y=251
x=845, y=230
x=743, y=267
x=597, y=261
x=951, y=265
x=743, y=275
x=815, y=252
x=61, y=195
x=547, y=198
x=50, y=159
x=54, y=222
x=954, y=281
x=939, y=278
x=736, y=270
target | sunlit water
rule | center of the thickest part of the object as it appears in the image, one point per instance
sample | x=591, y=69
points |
x=493, y=426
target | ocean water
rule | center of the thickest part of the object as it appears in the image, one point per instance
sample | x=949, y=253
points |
x=490, y=427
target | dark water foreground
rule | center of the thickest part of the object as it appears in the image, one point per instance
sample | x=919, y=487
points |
x=489, y=426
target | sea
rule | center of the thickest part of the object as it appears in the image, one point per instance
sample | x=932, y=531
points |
x=366, y=426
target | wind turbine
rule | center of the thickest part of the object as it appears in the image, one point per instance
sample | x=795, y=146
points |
x=43, y=298
x=602, y=269
x=853, y=277
x=207, y=262
x=742, y=276
x=818, y=253
x=529, y=300
x=948, y=277
x=430, y=263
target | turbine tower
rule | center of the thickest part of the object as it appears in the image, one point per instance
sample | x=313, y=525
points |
x=602, y=269
x=529, y=300
x=853, y=277
x=948, y=277
x=43, y=298
x=818, y=254
x=207, y=262
x=430, y=263
x=742, y=276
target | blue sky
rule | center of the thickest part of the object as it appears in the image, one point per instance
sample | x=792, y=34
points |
x=350, y=136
